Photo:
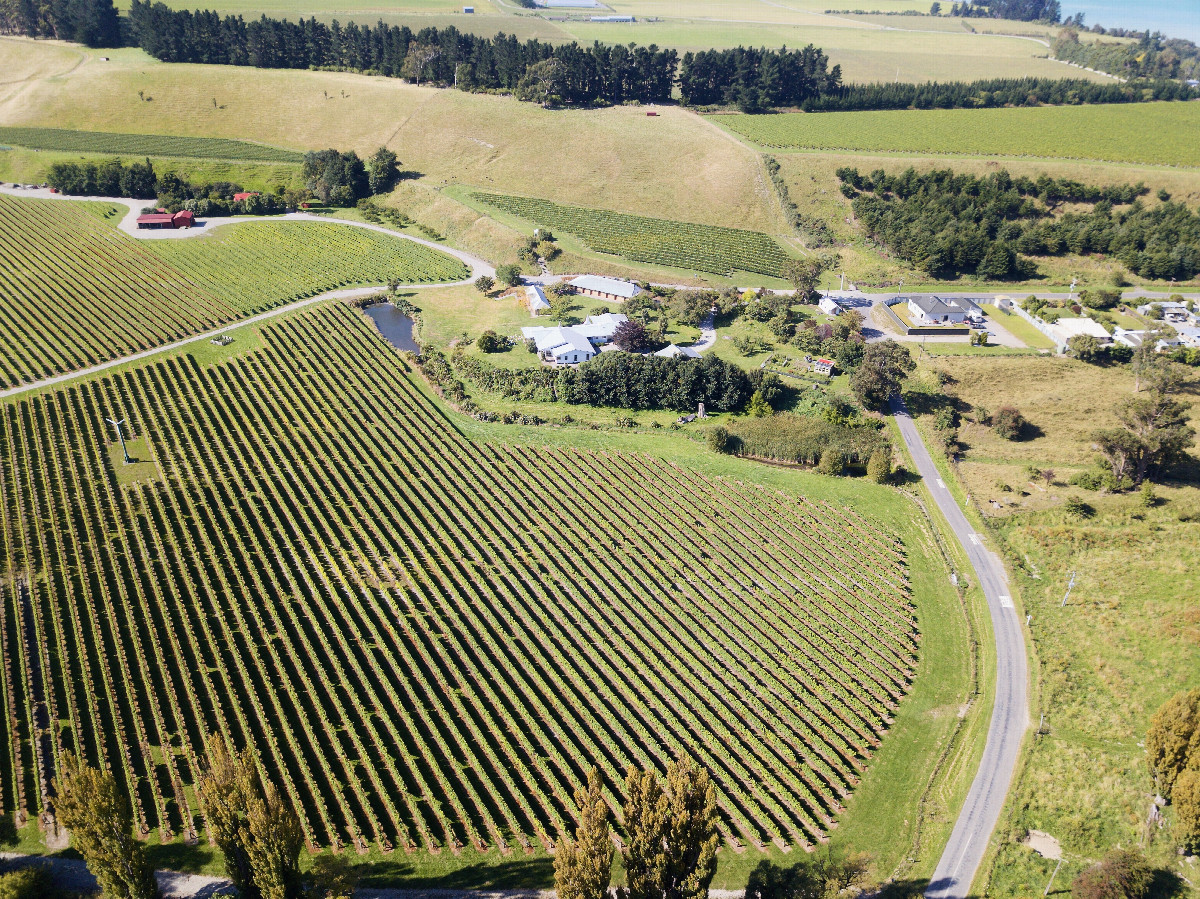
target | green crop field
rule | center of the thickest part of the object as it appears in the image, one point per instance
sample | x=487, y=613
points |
x=1146, y=133
x=74, y=291
x=144, y=145
x=705, y=248
x=424, y=650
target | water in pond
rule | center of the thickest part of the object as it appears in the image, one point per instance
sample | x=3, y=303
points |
x=394, y=325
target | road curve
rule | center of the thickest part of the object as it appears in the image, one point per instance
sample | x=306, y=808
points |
x=1010, y=715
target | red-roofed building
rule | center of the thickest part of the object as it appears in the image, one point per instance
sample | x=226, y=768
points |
x=823, y=366
x=245, y=195
x=184, y=218
x=155, y=220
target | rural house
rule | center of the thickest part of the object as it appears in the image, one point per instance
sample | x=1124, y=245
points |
x=1172, y=313
x=605, y=288
x=829, y=306
x=570, y=346
x=931, y=310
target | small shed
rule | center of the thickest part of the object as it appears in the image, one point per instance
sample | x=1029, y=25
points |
x=245, y=195
x=184, y=218
x=829, y=306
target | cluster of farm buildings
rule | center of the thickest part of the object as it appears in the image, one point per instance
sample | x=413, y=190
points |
x=163, y=219
x=575, y=344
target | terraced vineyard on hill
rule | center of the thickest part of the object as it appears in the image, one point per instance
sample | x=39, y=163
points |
x=144, y=145
x=75, y=291
x=423, y=648
x=705, y=248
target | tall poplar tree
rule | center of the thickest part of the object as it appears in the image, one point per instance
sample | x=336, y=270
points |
x=88, y=803
x=583, y=866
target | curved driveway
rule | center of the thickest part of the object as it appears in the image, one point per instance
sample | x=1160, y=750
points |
x=1010, y=715
x=204, y=226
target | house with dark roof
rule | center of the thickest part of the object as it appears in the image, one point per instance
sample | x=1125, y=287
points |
x=931, y=310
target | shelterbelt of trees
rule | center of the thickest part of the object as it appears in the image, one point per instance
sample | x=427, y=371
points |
x=751, y=79
x=947, y=223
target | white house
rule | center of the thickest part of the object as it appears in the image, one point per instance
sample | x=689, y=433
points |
x=1131, y=339
x=570, y=346
x=1066, y=328
x=535, y=300
x=829, y=306
x=560, y=346
x=822, y=366
x=1172, y=313
x=605, y=288
x=670, y=351
x=599, y=329
x=931, y=310
x=1004, y=304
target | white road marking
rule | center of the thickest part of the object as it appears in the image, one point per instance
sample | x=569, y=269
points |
x=1006, y=602
x=941, y=483
x=974, y=538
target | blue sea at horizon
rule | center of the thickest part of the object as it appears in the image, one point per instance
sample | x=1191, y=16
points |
x=1174, y=18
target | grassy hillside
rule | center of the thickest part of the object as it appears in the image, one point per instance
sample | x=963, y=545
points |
x=1128, y=638
x=673, y=166
x=1150, y=134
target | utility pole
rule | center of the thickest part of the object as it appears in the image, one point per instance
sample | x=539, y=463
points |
x=1052, y=876
x=121, y=437
x=1071, y=292
x=1068, y=593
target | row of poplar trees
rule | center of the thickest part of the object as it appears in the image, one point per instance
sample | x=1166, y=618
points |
x=252, y=824
x=670, y=851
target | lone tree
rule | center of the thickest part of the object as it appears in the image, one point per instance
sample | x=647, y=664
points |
x=882, y=371
x=509, y=275
x=583, y=867
x=671, y=852
x=252, y=824
x=88, y=803
x=879, y=466
x=631, y=337
x=484, y=283
x=1121, y=875
x=1008, y=423
x=1153, y=435
x=491, y=342
x=1173, y=740
x=382, y=171
x=1084, y=347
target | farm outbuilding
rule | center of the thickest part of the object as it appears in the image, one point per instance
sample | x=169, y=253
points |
x=245, y=195
x=184, y=218
x=605, y=288
x=155, y=220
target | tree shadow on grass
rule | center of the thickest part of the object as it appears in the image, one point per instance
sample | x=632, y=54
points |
x=505, y=873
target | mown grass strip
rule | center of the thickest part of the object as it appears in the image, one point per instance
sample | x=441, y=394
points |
x=110, y=142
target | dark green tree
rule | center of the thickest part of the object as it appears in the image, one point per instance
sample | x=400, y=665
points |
x=881, y=373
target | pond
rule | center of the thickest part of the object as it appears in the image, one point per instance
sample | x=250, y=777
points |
x=394, y=325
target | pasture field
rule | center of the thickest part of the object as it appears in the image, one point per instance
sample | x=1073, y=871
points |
x=1144, y=133
x=681, y=245
x=103, y=142
x=608, y=158
x=413, y=646
x=1127, y=639
x=75, y=291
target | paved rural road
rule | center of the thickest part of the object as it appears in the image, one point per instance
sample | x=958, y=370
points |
x=1010, y=716
x=205, y=226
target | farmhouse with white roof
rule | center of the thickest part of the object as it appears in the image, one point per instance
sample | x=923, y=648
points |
x=535, y=300
x=576, y=344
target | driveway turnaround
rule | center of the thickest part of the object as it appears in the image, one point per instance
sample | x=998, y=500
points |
x=1010, y=715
